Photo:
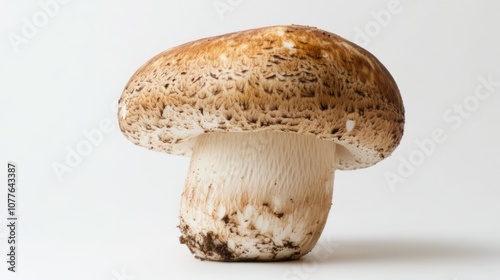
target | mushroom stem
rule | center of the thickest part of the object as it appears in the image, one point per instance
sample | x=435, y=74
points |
x=256, y=196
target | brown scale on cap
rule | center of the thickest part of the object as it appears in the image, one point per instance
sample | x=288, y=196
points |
x=283, y=78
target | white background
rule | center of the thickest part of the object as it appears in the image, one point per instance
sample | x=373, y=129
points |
x=113, y=214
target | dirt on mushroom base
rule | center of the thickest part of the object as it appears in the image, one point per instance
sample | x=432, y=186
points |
x=209, y=246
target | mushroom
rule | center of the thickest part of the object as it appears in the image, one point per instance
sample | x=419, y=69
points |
x=267, y=115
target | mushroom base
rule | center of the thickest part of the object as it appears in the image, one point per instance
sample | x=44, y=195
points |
x=259, y=196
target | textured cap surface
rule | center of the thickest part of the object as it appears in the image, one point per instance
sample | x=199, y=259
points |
x=294, y=79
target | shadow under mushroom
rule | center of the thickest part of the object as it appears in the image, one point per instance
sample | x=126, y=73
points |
x=402, y=251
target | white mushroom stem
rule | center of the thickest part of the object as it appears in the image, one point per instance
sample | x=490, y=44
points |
x=256, y=195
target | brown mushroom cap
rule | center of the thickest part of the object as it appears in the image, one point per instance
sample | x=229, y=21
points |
x=283, y=78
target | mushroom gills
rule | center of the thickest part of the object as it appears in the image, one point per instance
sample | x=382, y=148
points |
x=256, y=195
